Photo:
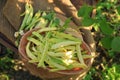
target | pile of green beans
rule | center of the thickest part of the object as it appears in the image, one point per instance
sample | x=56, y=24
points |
x=31, y=20
x=50, y=47
x=53, y=48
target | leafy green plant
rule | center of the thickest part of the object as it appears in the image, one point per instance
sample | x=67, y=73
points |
x=105, y=19
x=6, y=61
x=112, y=73
x=89, y=75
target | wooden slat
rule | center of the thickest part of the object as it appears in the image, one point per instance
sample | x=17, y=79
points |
x=4, y=41
x=12, y=11
x=6, y=29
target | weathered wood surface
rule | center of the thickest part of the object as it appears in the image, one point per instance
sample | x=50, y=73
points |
x=12, y=11
x=6, y=30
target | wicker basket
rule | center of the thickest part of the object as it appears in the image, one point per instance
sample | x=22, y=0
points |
x=44, y=73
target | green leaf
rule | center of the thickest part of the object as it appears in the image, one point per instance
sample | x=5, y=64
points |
x=49, y=16
x=66, y=23
x=111, y=53
x=106, y=42
x=88, y=77
x=118, y=9
x=96, y=26
x=85, y=11
x=116, y=44
x=56, y=22
x=105, y=28
x=87, y=21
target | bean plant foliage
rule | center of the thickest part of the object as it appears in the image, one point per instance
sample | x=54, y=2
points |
x=106, y=20
x=104, y=17
x=112, y=73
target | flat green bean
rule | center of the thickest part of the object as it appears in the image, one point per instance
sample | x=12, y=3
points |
x=79, y=54
x=52, y=63
x=35, y=41
x=47, y=29
x=66, y=36
x=43, y=56
x=64, y=43
x=29, y=19
x=27, y=12
x=35, y=19
x=29, y=53
x=38, y=35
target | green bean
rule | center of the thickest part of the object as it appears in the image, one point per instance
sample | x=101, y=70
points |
x=47, y=29
x=33, y=48
x=35, y=41
x=40, y=48
x=35, y=19
x=38, y=56
x=29, y=53
x=43, y=56
x=31, y=26
x=58, y=60
x=87, y=56
x=36, y=16
x=52, y=63
x=42, y=23
x=55, y=40
x=47, y=36
x=64, y=43
x=39, y=36
x=79, y=55
x=27, y=10
x=58, y=54
x=30, y=16
x=34, y=60
x=72, y=48
x=61, y=49
x=66, y=36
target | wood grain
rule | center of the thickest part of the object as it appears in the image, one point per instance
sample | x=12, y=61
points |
x=6, y=28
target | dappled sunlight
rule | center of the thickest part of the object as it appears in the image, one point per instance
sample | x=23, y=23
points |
x=18, y=6
x=19, y=65
x=50, y=1
x=98, y=25
x=81, y=76
x=93, y=46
